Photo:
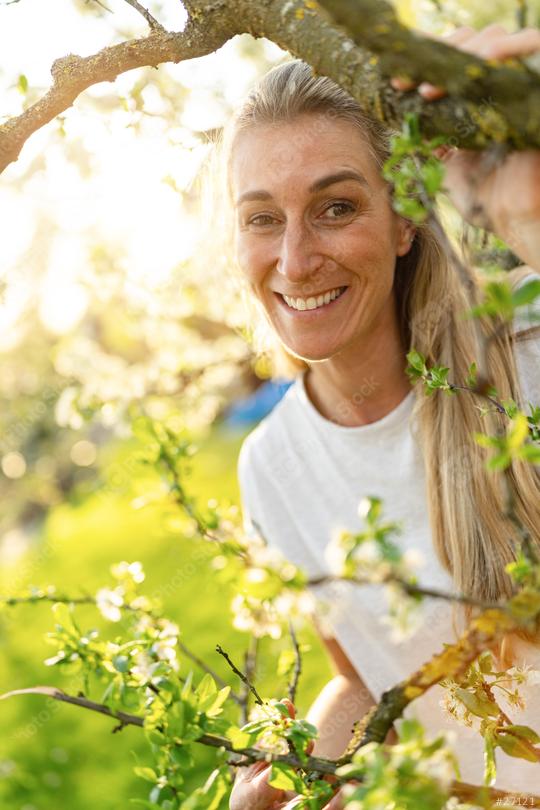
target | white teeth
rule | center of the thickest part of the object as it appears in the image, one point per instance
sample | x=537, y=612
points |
x=312, y=302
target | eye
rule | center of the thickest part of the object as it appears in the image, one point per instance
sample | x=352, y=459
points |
x=343, y=209
x=261, y=220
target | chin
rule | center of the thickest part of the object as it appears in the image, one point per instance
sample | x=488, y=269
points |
x=312, y=354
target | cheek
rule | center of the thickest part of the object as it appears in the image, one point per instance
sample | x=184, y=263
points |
x=251, y=259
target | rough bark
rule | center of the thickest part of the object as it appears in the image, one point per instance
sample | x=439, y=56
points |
x=502, y=106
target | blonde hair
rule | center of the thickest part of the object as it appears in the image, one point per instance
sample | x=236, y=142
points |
x=473, y=538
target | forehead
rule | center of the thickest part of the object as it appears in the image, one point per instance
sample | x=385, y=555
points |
x=297, y=152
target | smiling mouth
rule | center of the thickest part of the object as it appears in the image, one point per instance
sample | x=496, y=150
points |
x=313, y=302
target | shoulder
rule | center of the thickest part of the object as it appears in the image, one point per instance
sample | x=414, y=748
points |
x=526, y=335
x=527, y=319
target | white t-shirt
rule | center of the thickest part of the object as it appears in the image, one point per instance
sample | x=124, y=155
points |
x=302, y=476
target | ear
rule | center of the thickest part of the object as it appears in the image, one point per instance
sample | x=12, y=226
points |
x=406, y=232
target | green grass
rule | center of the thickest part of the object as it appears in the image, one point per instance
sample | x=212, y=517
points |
x=54, y=756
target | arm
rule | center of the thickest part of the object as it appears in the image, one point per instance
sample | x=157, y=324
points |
x=341, y=702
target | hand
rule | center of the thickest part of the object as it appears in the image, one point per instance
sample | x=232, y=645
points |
x=251, y=790
x=499, y=192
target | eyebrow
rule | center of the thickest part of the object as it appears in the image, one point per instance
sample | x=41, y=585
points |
x=318, y=185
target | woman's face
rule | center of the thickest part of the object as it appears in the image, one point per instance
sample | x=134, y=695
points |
x=315, y=234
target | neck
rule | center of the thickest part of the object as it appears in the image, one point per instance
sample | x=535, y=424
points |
x=365, y=381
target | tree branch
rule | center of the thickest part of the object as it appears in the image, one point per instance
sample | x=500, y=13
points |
x=502, y=106
x=452, y=662
x=373, y=24
x=409, y=588
x=319, y=765
x=293, y=686
x=243, y=678
x=74, y=74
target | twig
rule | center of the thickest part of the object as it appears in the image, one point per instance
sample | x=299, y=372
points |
x=241, y=675
x=521, y=14
x=218, y=679
x=90, y=600
x=293, y=685
x=152, y=22
x=410, y=588
x=318, y=764
x=182, y=499
x=11, y=601
x=103, y=6
x=250, y=661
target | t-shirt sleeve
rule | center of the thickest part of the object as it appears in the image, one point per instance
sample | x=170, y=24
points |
x=526, y=330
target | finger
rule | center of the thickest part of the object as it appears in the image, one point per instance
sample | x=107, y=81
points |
x=290, y=707
x=479, y=43
x=401, y=83
x=522, y=43
x=254, y=770
x=456, y=37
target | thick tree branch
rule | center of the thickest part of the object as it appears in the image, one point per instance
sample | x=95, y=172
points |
x=318, y=765
x=74, y=74
x=373, y=24
x=452, y=662
x=502, y=106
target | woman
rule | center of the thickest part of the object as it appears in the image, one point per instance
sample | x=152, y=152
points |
x=347, y=287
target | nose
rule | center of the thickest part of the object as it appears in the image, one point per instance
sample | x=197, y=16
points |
x=299, y=258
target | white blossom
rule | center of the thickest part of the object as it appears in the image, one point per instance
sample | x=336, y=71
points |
x=109, y=604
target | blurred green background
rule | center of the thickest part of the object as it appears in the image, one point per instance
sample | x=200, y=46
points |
x=53, y=755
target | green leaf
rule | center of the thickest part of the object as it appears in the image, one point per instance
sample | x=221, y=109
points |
x=485, y=663
x=479, y=706
x=146, y=773
x=527, y=293
x=63, y=615
x=531, y=452
x=176, y=719
x=206, y=688
x=432, y=176
x=182, y=756
x=516, y=747
x=284, y=777
x=417, y=361
x=22, y=84
x=215, y=702
x=525, y=732
x=187, y=688
x=472, y=377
